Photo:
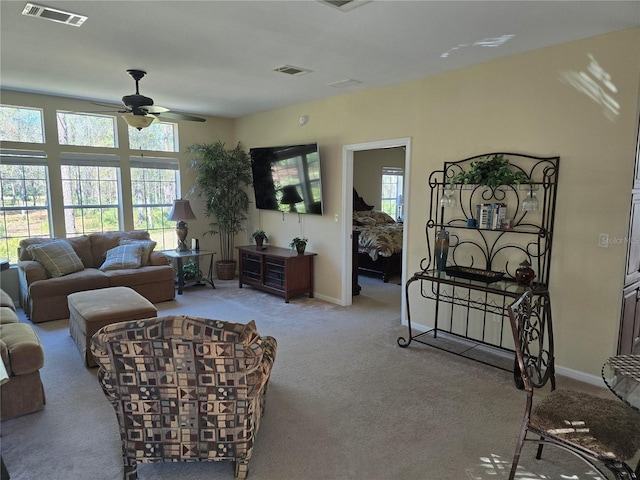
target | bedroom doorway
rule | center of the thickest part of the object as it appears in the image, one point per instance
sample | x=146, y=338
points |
x=349, y=152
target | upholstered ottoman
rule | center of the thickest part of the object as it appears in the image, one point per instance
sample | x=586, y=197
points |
x=91, y=310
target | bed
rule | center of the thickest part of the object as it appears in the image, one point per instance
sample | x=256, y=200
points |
x=379, y=243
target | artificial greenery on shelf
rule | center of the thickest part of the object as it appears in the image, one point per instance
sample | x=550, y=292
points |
x=493, y=172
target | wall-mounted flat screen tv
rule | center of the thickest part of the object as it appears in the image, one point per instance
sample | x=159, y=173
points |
x=287, y=178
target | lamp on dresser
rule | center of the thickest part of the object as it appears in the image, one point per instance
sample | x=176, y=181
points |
x=180, y=212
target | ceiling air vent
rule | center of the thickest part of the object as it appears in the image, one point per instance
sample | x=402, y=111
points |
x=291, y=70
x=60, y=16
x=344, y=5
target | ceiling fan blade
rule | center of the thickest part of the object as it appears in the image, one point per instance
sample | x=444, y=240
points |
x=114, y=108
x=154, y=109
x=180, y=116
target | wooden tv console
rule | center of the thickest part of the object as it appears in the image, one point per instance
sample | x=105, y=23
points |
x=276, y=270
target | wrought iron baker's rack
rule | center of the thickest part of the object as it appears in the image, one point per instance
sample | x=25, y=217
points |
x=498, y=250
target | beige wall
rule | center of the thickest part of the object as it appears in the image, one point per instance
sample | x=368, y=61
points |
x=520, y=104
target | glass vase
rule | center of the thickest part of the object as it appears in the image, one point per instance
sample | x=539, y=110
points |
x=441, y=249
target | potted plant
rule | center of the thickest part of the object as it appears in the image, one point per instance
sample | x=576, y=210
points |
x=222, y=176
x=493, y=172
x=299, y=243
x=260, y=237
x=190, y=270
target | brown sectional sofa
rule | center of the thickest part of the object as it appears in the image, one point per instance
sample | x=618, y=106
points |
x=44, y=298
x=22, y=357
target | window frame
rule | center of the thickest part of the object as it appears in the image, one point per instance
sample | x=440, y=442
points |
x=34, y=158
x=165, y=235
x=42, y=129
x=97, y=161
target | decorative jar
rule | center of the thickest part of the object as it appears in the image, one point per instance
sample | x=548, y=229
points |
x=525, y=274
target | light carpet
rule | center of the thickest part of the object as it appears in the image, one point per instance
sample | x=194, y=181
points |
x=344, y=402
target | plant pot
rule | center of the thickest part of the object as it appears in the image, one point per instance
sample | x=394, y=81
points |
x=259, y=242
x=226, y=269
x=300, y=249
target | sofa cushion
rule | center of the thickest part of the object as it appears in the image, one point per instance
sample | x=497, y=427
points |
x=6, y=300
x=25, y=353
x=147, y=248
x=8, y=315
x=87, y=279
x=102, y=242
x=139, y=276
x=123, y=256
x=58, y=257
x=81, y=245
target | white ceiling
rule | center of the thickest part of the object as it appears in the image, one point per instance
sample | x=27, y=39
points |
x=217, y=57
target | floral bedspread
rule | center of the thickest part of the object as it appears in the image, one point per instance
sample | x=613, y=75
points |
x=380, y=235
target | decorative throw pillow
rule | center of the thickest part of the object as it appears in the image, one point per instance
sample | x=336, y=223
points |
x=364, y=221
x=122, y=257
x=58, y=257
x=147, y=248
x=381, y=218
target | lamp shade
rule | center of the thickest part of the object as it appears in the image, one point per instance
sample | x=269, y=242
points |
x=290, y=195
x=181, y=211
x=138, y=121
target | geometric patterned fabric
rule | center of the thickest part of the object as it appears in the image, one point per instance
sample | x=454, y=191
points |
x=185, y=388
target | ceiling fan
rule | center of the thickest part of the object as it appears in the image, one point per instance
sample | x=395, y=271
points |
x=140, y=112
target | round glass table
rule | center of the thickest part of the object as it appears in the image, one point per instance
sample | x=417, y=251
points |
x=622, y=375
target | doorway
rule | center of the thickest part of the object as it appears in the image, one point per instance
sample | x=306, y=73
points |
x=347, y=200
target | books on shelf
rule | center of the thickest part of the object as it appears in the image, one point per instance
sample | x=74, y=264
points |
x=491, y=215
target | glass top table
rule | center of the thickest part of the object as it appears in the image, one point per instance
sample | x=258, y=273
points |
x=622, y=375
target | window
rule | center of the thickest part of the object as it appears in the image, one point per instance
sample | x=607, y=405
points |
x=392, y=187
x=21, y=124
x=91, y=193
x=159, y=136
x=89, y=130
x=154, y=186
x=25, y=199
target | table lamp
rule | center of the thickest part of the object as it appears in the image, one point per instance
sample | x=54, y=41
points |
x=180, y=212
x=290, y=196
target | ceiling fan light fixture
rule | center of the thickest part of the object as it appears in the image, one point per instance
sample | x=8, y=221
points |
x=138, y=121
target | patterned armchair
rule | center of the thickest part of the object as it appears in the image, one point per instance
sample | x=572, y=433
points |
x=185, y=388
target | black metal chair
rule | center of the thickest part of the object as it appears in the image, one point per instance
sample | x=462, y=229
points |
x=598, y=430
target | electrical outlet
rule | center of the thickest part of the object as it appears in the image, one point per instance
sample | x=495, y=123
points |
x=337, y=218
x=603, y=240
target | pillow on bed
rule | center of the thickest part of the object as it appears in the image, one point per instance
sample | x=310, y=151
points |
x=364, y=221
x=381, y=218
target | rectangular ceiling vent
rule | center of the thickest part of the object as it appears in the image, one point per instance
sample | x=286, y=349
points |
x=344, y=5
x=291, y=70
x=60, y=16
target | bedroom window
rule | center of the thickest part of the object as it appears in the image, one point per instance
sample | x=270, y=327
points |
x=91, y=193
x=154, y=186
x=24, y=183
x=392, y=186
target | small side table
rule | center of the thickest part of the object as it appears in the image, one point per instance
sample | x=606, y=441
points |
x=196, y=254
